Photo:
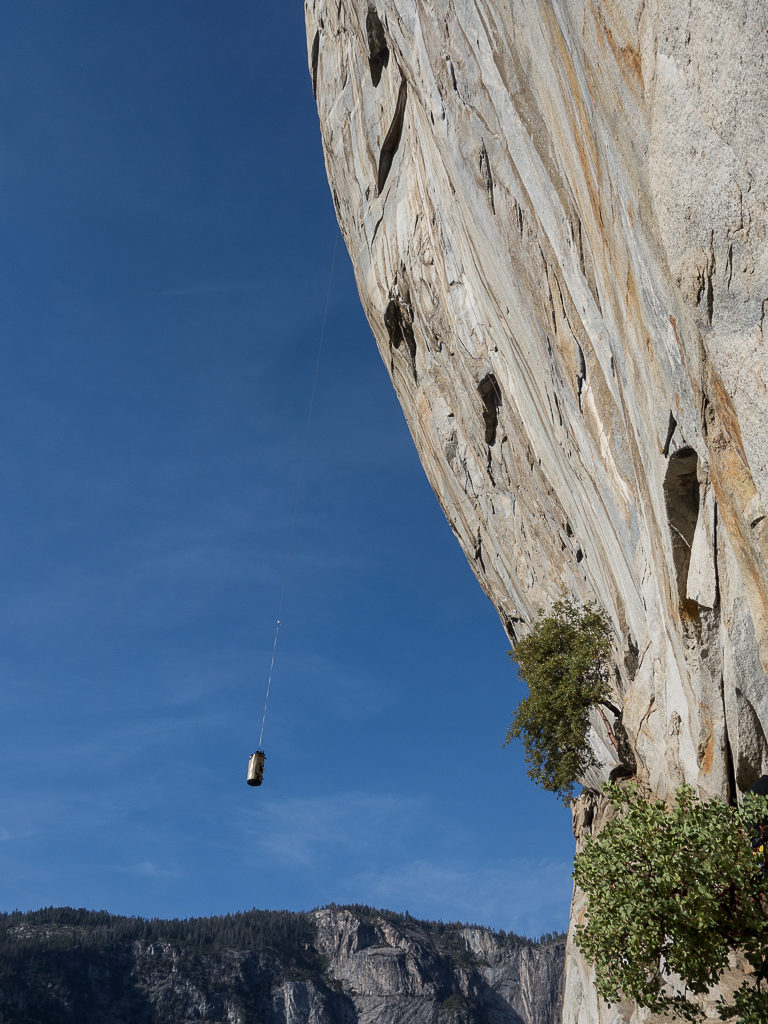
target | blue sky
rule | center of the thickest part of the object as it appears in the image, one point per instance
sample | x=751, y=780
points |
x=169, y=233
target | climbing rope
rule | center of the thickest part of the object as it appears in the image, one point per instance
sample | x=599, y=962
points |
x=299, y=484
x=269, y=684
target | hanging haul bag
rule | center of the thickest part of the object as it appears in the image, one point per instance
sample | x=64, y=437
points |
x=255, y=769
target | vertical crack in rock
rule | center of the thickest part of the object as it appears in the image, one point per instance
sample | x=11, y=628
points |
x=478, y=554
x=314, y=61
x=715, y=564
x=518, y=216
x=581, y=373
x=392, y=140
x=489, y=392
x=485, y=170
x=632, y=657
x=728, y=751
x=579, y=239
x=705, y=288
x=378, y=51
x=681, y=497
x=557, y=406
x=711, y=265
x=671, y=428
x=586, y=261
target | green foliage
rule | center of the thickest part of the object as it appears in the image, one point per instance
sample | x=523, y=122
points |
x=565, y=660
x=671, y=890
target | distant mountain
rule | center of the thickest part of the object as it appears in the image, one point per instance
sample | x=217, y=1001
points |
x=338, y=965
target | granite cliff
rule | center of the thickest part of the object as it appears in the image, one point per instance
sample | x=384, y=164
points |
x=338, y=965
x=557, y=212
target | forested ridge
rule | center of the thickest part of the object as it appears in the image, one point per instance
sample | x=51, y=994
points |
x=284, y=931
x=68, y=927
x=62, y=965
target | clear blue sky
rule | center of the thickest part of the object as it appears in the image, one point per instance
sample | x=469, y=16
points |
x=168, y=233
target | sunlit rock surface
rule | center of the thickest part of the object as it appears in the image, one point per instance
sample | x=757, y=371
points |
x=556, y=212
x=394, y=972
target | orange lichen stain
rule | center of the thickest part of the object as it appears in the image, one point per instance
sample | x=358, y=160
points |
x=633, y=61
x=706, y=751
x=583, y=135
x=626, y=56
x=725, y=412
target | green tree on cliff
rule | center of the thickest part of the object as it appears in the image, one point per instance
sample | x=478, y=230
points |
x=671, y=891
x=565, y=661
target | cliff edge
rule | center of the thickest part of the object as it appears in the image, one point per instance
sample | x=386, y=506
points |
x=556, y=213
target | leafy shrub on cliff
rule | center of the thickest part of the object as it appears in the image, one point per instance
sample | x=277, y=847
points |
x=671, y=891
x=565, y=660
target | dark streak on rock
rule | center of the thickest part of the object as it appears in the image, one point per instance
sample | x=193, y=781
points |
x=392, y=140
x=485, y=170
x=489, y=392
x=453, y=74
x=710, y=285
x=398, y=319
x=581, y=374
x=315, y=59
x=378, y=51
x=671, y=428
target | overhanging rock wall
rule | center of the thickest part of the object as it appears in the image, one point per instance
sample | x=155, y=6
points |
x=556, y=212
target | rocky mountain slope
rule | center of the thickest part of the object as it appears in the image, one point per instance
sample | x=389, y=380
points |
x=338, y=965
x=557, y=213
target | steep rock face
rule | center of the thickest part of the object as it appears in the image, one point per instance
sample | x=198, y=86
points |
x=332, y=966
x=556, y=211
x=395, y=973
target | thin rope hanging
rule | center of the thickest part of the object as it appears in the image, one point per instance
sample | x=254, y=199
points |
x=299, y=484
x=269, y=683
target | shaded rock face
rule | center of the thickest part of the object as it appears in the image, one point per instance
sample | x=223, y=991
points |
x=557, y=213
x=333, y=966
